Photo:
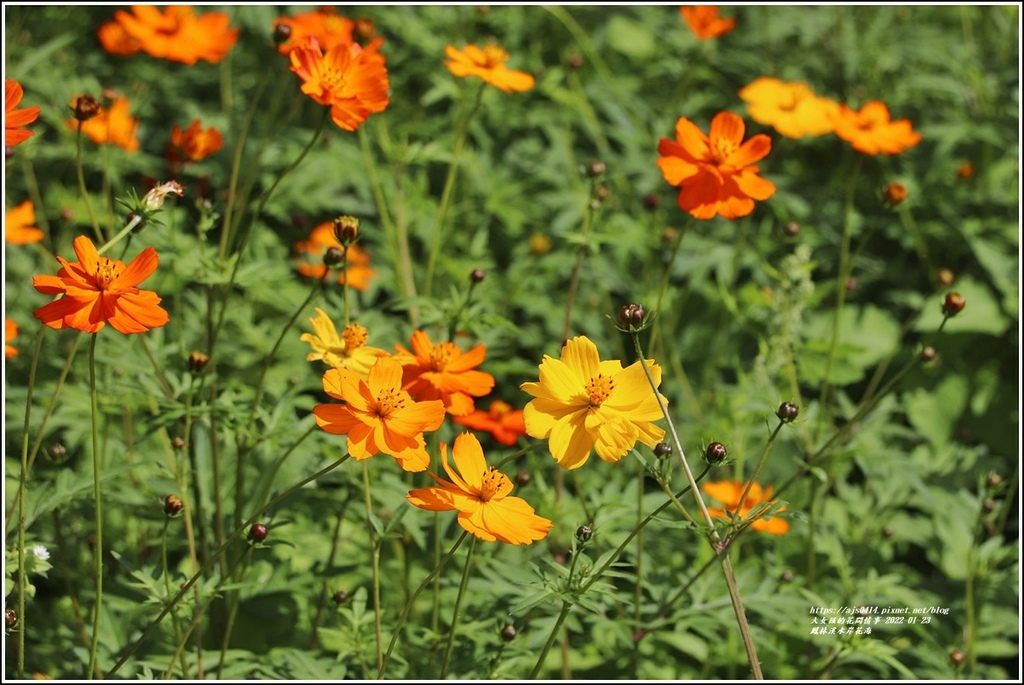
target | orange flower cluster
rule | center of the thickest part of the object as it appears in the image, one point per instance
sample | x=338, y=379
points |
x=705, y=21
x=325, y=27
x=356, y=275
x=504, y=423
x=444, y=372
x=177, y=34
x=19, y=225
x=113, y=126
x=194, y=143
x=15, y=118
x=488, y=64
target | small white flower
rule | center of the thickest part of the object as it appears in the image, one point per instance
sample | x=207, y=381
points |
x=40, y=553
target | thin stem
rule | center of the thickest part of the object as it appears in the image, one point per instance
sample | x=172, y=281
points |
x=449, y=185
x=671, y=261
x=375, y=563
x=574, y=279
x=555, y=630
x=323, y=589
x=81, y=184
x=165, y=569
x=457, y=612
x=136, y=220
x=412, y=600
x=97, y=495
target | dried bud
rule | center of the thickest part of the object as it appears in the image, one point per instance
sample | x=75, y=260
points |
x=85, y=107
x=177, y=443
x=956, y=657
x=596, y=169
x=928, y=354
x=173, y=505
x=651, y=201
x=602, y=192
x=631, y=317
x=584, y=533
x=994, y=480
x=786, y=576
x=792, y=229
x=508, y=633
x=523, y=478
x=954, y=304
x=965, y=171
x=477, y=275
x=197, y=361
x=282, y=32
x=945, y=277
x=334, y=256
x=787, y=412
x=895, y=193
x=154, y=199
x=258, y=532
x=346, y=229
x=340, y=597
x=662, y=449
x=58, y=452
x=715, y=453
x=575, y=62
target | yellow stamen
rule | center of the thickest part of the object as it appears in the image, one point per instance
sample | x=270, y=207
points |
x=106, y=273
x=598, y=389
x=722, y=148
x=389, y=401
x=489, y=484
x=354, y=336
x=440, y=355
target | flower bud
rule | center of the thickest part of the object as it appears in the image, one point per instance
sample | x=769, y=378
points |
x=651, y=201
x=792, y=229
x=584, y=533
x=282, y=32
x=508, y=633
x=851, y=284
x=67, y=214
x=715, y=453
x=954, y=304
x=989, y=505
x=334, y=256
x=945, y=277
x=631, y=317
x=523, y=478
x=58, y=452
x=477, y=275
x=575, y=62
x=197, y=361
x=177, y=443
x=662, y=449
x=173, y=505
x=886, y=532
x=258, y=532
x=602, y=191
x=346, y=229
x=956, y=657
x=364, y=29
x=340, y=597
x=786, y=576
x=154, y=199
x=787, y=412
x=596, y=169
x=11, y=617
x=994, y=480
x=85, y=107
x=928, y=354
x=895, y=193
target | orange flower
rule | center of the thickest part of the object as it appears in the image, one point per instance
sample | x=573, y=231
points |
x=19, y=225
x=729, y=493
x=176, y=34
x=714, y=173
x=501, y=421
x=705, y=21
x=321, y=238
x=481, y=496
x=352, y=81
x=791, y=108
x=443, y=372
x=488, y=64
x=113, y=126
x=10, y=332
x=965, y=171
x=14, y=118
x=377, y=415
x=870, y=131
x=194, y=142
x=98, y=290
x=324, y=25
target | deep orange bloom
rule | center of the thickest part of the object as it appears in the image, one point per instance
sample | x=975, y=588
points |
x=705, y=21
x=378, y=416
x=489, y=64
x=113, y=126
x=715, y=174
x=324, y=25
x=481, y=496
x=15, y=118
x=791, y=108
x=321, y=238
x=98, y=290
x=503, y=422
x=195, y=143
x=443, y=372
x=19, y=225
x=351, y=80
x=10, y=332
x=176, y=34
x=729, y=493
x=870, y=131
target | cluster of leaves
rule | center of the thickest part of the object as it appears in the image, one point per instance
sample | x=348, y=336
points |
x=904, y=512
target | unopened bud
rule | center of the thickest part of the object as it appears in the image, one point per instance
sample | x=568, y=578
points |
x=334, y=256
x=994, y=480
x=945, y=277
x=477, y=275
x=956, y=657
x=346, y=229
x=282, y=32
x=58, y=452
x=11, y=617
x=575, y=62
x=173, y=505
x=715, y=453
x=340, y=597
x=651, y=201
x=965, y=171
x=584, y=533
x=197, y=361
x=177, y=443
x=928, y=354
x=508, y=633
x=662, y=449
x=602, y=191
x=364, y=28
x=596, y=169
x=85, y=107
x=953, y=304
x=258, y=532
x=787, y=412
x=895, y=193
x=631, y=317
x=523, y=478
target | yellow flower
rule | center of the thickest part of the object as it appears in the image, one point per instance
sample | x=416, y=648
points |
x=791, y=108
x=487, y=63
x=347, y=351
x=583, y=403
x=480, y=495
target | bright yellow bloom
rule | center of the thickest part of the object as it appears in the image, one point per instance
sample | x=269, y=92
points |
x=378, y=416
x=488, y=64
x=583, y=403
x=480, y=495
x=792, y=109
x=347, y=351
x=729, y=493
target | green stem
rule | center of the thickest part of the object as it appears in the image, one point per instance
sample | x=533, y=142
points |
x=136, y=219
x=234, y=535
x=555, y=630
x=574, y=279
x=638, y=588
x=412, y=600
x=97, y=495
x=375, y=566
x=449, y=185
x=671, y=261
x=757, y=467
x=81, y=185
x=174, y=614
x=457, y=612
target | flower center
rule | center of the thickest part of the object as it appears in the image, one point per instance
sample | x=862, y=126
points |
x=332, y=79
x=389, y=401
x=598, y=389
x=722, y=149
x=354, y=336
x=489, y=484
x=106, y=273
x=494, y=56
x=440, y=355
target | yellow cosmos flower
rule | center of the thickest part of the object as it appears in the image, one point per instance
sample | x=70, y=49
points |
x=791, y=108
x=480, y=495
x=347, y=351
x=583, y=403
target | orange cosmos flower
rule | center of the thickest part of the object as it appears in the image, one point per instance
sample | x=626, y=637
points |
x=705, y=21
x=481, y=496
x=176, y=34
x=15, y=118
x=19, y=225
x=729, y=493
x=791, y=108
x=195, y=143
x=715, y=174
x=488, y=64
x=444, y=372
x=113, y=126
x=98, y=291
x=503, y=422
x=10, y=332
x=377, y=415
x=351, y=80
x=870, y=131
x=324, y=25
x=321, y=238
